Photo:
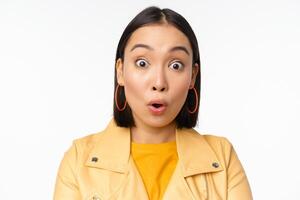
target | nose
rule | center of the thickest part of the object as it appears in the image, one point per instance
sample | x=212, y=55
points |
x=160, y=82
x=158, y=88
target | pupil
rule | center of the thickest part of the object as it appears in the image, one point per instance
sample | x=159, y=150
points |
x=142, y=63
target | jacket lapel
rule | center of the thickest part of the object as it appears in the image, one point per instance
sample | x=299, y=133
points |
x=112, y=150
x=195, y=156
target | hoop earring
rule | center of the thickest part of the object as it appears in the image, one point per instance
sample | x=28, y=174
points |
x=196, y=107
x=116, y=101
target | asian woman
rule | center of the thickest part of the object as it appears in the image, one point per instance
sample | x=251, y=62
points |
x=150, y=149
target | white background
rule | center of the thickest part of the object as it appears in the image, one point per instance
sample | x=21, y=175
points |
x=56, y=84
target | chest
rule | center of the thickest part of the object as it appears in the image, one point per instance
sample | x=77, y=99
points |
x=103, y=184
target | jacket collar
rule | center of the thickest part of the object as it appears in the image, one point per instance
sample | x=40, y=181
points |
x=112, y=151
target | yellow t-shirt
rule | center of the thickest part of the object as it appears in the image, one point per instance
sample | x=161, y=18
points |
x=155, y=163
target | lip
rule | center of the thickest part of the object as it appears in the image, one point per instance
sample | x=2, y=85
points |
x=159, y=110
x=158, y=101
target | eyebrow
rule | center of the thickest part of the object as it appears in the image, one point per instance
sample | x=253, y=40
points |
x=176, y=48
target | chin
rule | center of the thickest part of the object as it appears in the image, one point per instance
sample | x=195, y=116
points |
x=158, y=121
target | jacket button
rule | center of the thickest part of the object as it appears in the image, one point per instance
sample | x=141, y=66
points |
x=94, y=159
x=215, y=165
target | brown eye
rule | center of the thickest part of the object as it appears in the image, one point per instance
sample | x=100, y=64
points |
x=177, y=65
x=140, y=62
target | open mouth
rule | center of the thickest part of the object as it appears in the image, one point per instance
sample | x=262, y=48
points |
x=156, y=105
x=157, y=108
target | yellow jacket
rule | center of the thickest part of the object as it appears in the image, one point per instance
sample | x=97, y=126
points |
x=99, y=167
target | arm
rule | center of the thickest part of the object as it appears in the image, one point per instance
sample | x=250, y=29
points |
x=238, y=187
x=66, y=186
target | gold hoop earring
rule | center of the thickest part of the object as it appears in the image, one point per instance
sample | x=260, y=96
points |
x=196, y=107
x=116, y=100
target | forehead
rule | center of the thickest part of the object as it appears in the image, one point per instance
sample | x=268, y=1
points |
x=158, y=36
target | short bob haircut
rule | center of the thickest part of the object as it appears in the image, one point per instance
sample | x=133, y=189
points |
x=155, y=15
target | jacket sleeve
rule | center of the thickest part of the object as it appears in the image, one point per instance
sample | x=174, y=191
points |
x=238, y=187
x=66, y=186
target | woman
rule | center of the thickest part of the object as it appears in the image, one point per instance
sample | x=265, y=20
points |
x=149, y=149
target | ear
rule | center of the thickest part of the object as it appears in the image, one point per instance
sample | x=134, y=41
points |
x=195, y=71
x=119, y=71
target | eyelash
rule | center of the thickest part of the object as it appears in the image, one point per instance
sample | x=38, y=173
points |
x=176, y=61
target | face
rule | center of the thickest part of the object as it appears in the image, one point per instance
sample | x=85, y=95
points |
x=153, y=69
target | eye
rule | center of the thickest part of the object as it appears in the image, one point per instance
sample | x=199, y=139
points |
x=141, y=62
x=177, y=65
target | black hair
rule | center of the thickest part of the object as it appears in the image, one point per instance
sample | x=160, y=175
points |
x=155, y=15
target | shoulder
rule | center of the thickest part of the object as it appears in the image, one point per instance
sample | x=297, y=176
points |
x=80, y=147
x=224, y=150
x=216, y=141
x=220, y=145
x=213, y=140
x=86, y=142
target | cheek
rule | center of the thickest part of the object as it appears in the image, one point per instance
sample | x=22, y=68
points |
x=180, y=90
x=134, y=90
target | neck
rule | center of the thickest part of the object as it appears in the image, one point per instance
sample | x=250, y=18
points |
x=144, y=133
